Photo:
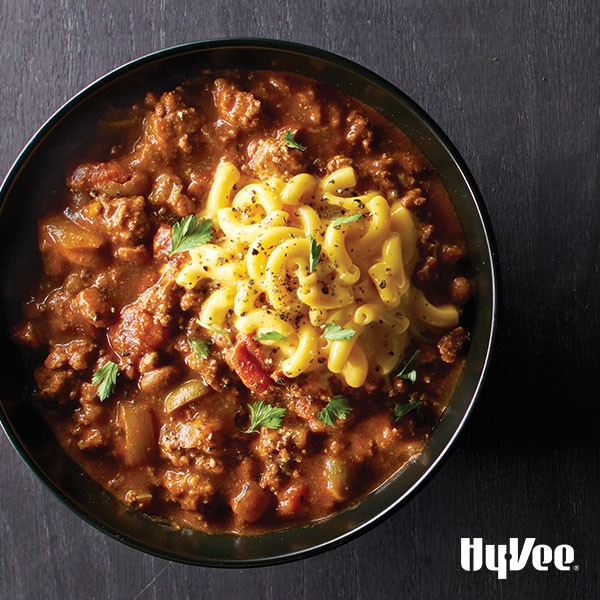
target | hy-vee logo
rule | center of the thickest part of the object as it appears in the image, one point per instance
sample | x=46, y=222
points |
x=474, y=555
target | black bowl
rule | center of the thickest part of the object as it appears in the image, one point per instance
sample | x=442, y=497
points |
x=28, y=192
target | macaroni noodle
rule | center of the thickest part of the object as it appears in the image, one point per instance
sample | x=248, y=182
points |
x=298, y=257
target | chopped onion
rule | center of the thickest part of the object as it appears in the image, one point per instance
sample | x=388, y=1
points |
x=184, y=394
x=137, y=425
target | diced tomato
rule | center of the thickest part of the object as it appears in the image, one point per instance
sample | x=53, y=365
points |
x=292, y=500
x=245, y=359
x=136, y=333
x=90, y=176
x=252, y=502
x=161, y=245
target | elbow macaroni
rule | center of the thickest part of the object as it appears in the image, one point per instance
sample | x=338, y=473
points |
x=263, y=279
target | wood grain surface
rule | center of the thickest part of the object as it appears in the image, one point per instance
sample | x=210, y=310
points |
x=516, y=86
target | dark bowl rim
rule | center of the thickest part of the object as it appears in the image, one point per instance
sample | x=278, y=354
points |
x=490, y=253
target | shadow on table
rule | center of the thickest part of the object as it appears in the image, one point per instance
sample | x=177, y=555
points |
x=541, y=391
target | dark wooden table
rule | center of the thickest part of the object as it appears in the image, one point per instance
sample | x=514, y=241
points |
x=516, y=86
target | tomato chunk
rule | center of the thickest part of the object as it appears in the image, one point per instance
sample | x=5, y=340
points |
x=251, y=503
x=246, y=361
x=136, y=333
x=94, y=175
x=292, y=500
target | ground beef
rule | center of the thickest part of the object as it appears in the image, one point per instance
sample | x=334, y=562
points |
x=451, y=254
x=461, y=290
x=237, y=110
x=172, y=130
x=190, y=491
x=337, y=162
x=57, y=385
x=167, y=192
x=162, y=298
x=413, y=199
x=182, y=442
x=426, y=272
x=78, y=354
x=125, y=220
x=272, y=156
x=450, y=344
x=359, y=131
x=91, y=438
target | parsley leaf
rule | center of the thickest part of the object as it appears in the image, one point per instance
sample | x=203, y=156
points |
x=105, y=378
x=264, y=415
x=220, y=332
x=409, y=371
x=269, y=335
x=200, y=347
x=337, y=408
x=190, y=233
x=346, y=219
x=400, y=410
x=288, y=138
x=337, y=334
x=315, y=254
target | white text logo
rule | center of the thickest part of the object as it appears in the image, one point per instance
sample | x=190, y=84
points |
x=502, y=558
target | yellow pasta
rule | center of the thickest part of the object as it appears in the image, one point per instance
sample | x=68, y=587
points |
x=225, y=179
x=388, y=274
x=217, y=305
x=299, y=188
x=262, y=321
x=343, y=179
x=212, y=262
x=356, y=367
x=310, y=221
x=339, y=351
x=435, y=316
x=316, y=272
x=306, y=353
x=378, y=226
x=334, y=247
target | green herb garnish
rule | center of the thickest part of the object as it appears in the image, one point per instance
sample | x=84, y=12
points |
x=315, y=254
x=264, y=415
x=105, y=378
x=337, y=334
x=200, y=347
x=337, y=408
x=347, y=219
x=190, y=233
x=288, y=138
x=400, y=410
x=269, y=335
x=220, y=332
x=409, y=371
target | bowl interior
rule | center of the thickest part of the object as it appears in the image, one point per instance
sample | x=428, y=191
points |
x=29, y=191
